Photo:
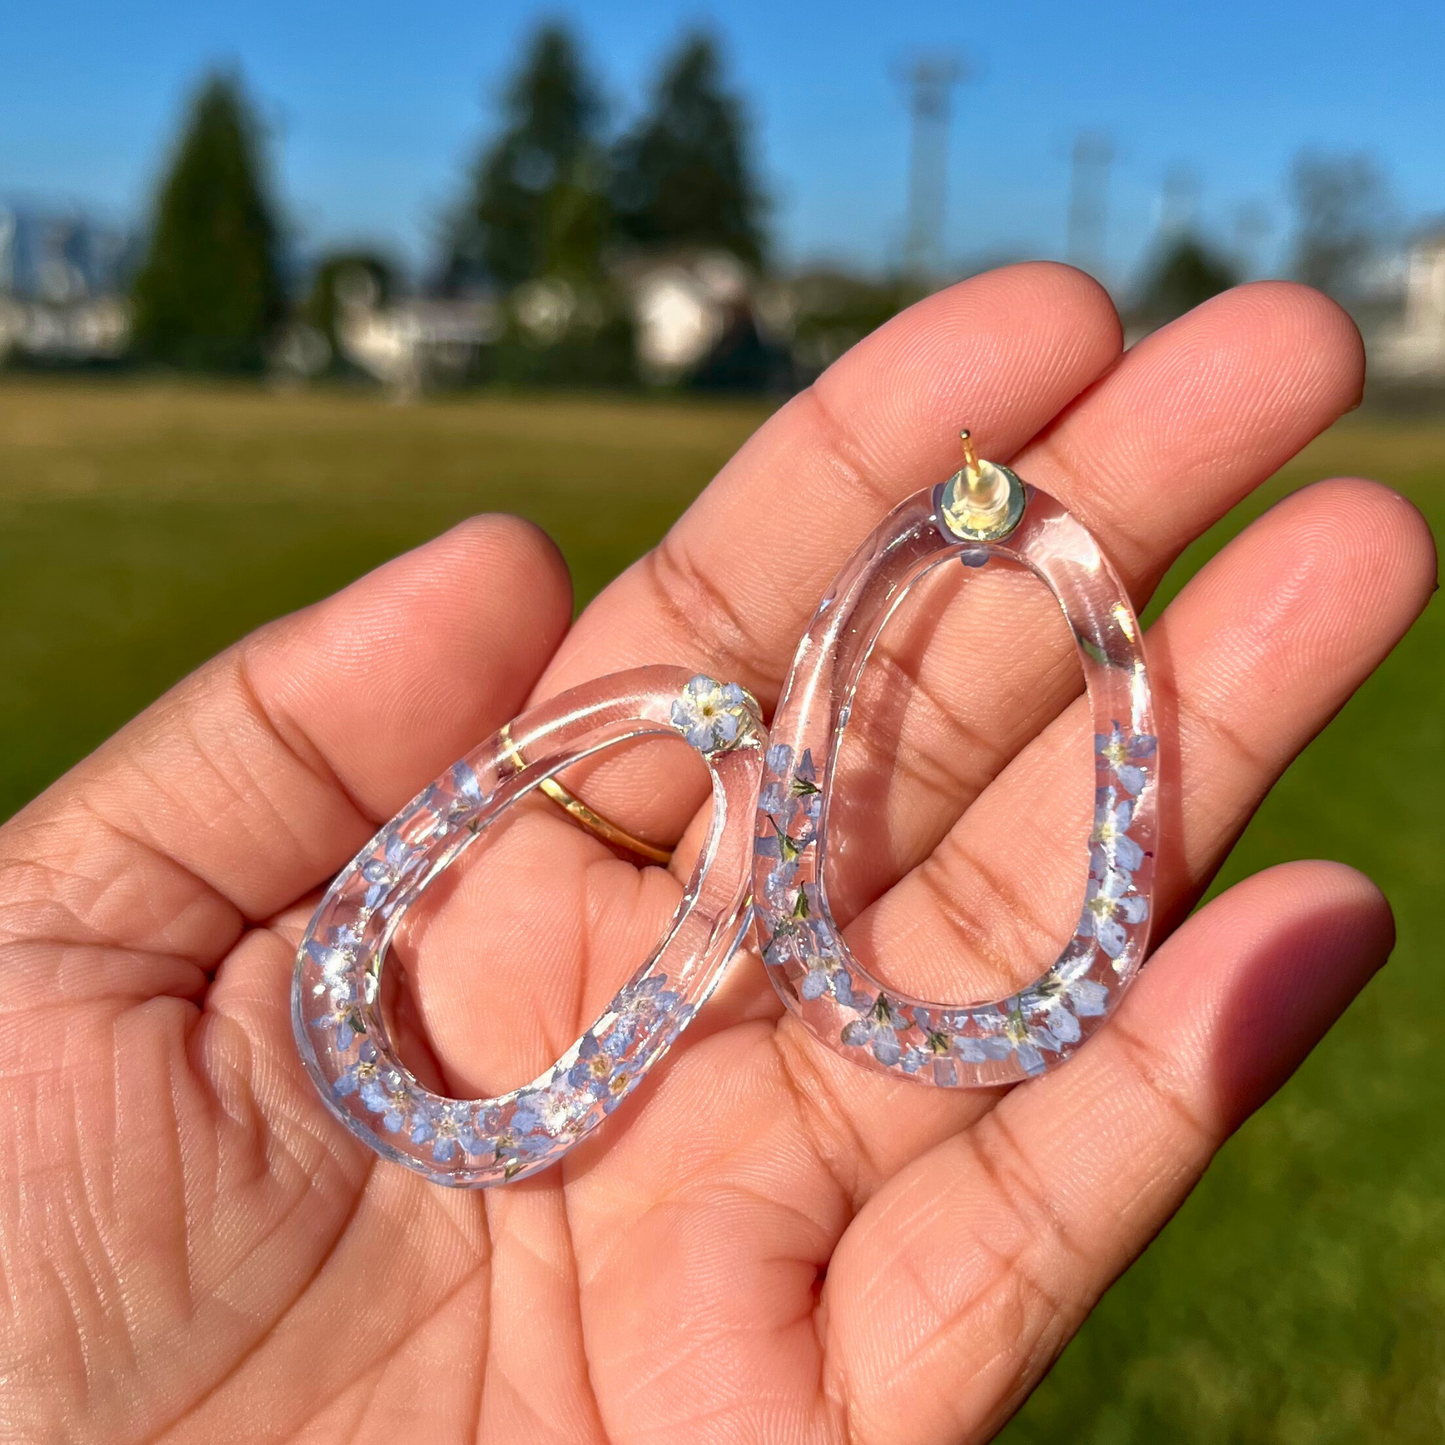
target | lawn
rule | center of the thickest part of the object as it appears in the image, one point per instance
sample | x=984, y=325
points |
x=1299, y=1295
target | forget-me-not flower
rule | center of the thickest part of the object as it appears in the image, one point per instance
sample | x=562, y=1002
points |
x=1126, y=754
x=877, y=1029
x=709, y=714
x=1008, y=1031
x=1110, y=845
x=1108, y=902
x=1062, y=1002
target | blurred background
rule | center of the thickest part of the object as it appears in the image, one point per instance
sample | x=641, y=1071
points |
x=287, y=289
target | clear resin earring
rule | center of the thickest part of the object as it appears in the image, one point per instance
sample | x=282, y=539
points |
x=336, y=988
x=983, y=512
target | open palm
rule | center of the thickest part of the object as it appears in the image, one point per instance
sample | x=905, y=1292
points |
x=765, y=1243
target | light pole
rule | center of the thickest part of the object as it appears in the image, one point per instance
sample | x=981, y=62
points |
x=1092, y=156
x=928, y=82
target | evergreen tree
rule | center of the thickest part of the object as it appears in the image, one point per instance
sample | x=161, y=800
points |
x=209, y=294
x=1185, y=273
x=684, y=176
x=537, y=206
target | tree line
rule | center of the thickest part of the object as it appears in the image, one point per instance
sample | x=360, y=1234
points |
x=558, y=195
x=553, y=197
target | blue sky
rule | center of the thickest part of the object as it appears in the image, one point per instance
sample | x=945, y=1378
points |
x=376, y=110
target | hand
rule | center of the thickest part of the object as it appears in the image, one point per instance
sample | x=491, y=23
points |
x=765, y=1242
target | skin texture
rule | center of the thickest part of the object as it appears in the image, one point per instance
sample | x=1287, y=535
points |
x=765, y=1243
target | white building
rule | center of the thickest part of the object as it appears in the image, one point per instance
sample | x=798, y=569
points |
x=60, y=277
x=1412, y=347
x=681, y=306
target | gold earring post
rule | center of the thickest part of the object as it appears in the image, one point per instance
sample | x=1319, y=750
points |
x=970, y=457
x=982, y=500
x=986, y=489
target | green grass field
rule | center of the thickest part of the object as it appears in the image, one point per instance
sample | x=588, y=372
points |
x=1300, y=1294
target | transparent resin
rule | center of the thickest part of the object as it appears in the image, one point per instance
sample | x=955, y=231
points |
x=336, y=988
x=958, y=1044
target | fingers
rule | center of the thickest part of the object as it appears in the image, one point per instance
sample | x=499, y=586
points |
x=1248, y=663
x=258, y=776
x=733, y=583
x=958, y=1285
x=1256, y=654
x=730, y=588
x=1204, y=410
x=1190, y=421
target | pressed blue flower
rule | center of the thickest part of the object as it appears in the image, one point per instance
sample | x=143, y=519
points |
x=469, y=1133
x=817, y=934
x=783, y=846
x=786, y=851
x=386, y=868
x=710, y=715
x=824, y=974
x=1008, y=1031
x=1109, y=844
x=457, y=800
x=332, y=961
x=1126, y=754
x=601, y=1062
x=1108, y=907
x=782, y=944
x=1062, y=1002
x=554, y=1112
x=346, y=935
x=778, y=886
x=632, y=1020
x=359, y=1075
x=527, y=1119
x=448, y=1126
x=823, y=971
x=643, y=1008
x=778, y=804
x=779, y=758
x=980, y=1050
x=805, y=778
x=468, y=786
x=336, y=950
x=373, y=1093
x=877, y=1029
x=544, y=1115
x=932, y=1047
x=804, y=921
x=806, y=795
x=815, y=981
x=386, y=865
x=388, y=1094
x=342, y=1014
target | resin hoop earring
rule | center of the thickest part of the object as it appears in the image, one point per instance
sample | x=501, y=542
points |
x=335, y=996
x=983, y=511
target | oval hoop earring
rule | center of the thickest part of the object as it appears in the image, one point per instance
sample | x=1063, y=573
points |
x=982, y=512
x=336, y=986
